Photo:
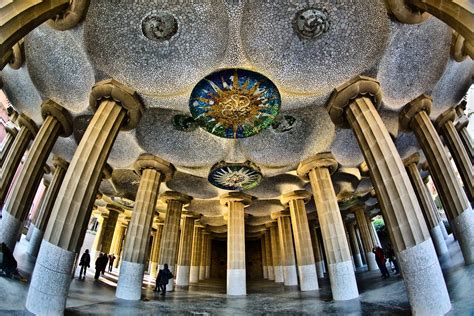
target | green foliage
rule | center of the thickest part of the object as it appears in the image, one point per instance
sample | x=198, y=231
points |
x=379, y=224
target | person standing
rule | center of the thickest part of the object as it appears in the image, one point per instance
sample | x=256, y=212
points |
x=111, y=261
x=98, y=266
x=84, y=263
x=380, y=259
x=164, y=275
x=105, y=259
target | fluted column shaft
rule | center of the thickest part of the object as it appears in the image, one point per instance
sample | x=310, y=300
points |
x=355, y=246
x=287, y=251
x=466, y=138
x=108, y=233
x=116, y=247
x=268, y=255
x=155, y=251
x=99, y=234
x=185, y=252
x=367, y=240
x=373, y=233
x=236, y=283
x=196, y=254
x=318, y=259
x=204, y=246
x=7, y=144
x=264, y=257
x=276, y=253
x=208, y=257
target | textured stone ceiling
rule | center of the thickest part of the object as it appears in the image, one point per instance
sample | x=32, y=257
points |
x=114, y=42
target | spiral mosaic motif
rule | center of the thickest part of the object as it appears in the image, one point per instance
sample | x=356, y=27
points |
x=235, y=176
x=235, y=103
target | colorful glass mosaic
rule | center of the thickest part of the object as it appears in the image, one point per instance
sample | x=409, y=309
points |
x=235, y=103
x=235, y=176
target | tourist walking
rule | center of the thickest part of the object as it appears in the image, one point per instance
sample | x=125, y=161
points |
x=84, y=263
x=380, y=259
x=105, y=259
x=111, y=261
x=99, y=265
x=164, y=275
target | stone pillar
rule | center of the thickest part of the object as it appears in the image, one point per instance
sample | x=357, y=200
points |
x=318, y=258
x=202, y=265
x=352, y=105
x=196, y=253
x=236, y=276
x=155, y=251
x=367, y=240
x=373, y=233
x=27, y=132
x=44, y=213
x=340, y=268
x=264, y=257
x=109, y=229
x=276, y=253
x=153, y=171
x=169, y=239
x=286, y=248
x=415, y=116
x=208, y=257
x=185, y=249
x=34, y=212
x=355, y=246
x=117, y=240
x=435, y=208
x=101, y=219
x=360, y=244
x=72, y=209
x=268, y=255
x=445, y=126
x=468, y=142
x=7, y=143
x=426, y=204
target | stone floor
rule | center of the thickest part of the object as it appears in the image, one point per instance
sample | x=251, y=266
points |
x=378, y=296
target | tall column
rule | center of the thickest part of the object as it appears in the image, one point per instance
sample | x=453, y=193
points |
x=445, y=126
x=27, y=132
x=268, y=255
x=236, y=276
x=109, y=229
x=318, y=258
x=373, y=233
x=355, y=246
x=414, y=116
x=208, y=257
x=264, y=257
x=7, y=143
x=60, y=167
x=185, y=249
x=367, y=240
x=435, y=209
x=169, y=239
x=318, y=171
x=426, y=204
x=360, y=244
x=202, y=265
x=352, y=105
x=72, y=209
x=101, y=219
x=196, y=253
x=468, y=142
x=286, y=248
x=117, y=239
x=276, y=253
x=39, y=197
x=153, y=171
x=155, y=250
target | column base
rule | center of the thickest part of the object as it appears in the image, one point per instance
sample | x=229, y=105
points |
x=265, y=272
x=291, y=278
x=438, y=241
x=29, y=232
x=194, y=274
x=308, y=278
x=129, y=285
x=35, y=241
x=358, y=260
x=371, y=262
x=9, y=229
x=343, y=281
x=50, y=281
x=236, y=282
x=443, y=230
x=463, y=226
x=208, y=272
x=202, y=273
x=278, y=271
x=424, y=280
x=182, y=275
x=271, y=273
x=320, y=269
x=153, y=269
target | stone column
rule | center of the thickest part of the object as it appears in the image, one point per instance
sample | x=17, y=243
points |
x=286, y=248
x=109, y=229
x=208, y=257
x=426, y=203
x=236, y=276
x=153, y=171
x=268, y=256
x=7, y=143
x=101, y=219
x=264, y=257
x=202, y=265
x=355, y=246
x=196, y=253
x=360, y=244
x=72, y=209
x=445, y=126
x=276, y=253
x=373, y=233
x=116, y=247
x=341, y=272
x=155, y=250
x=352, y=105
x=468, y=142
x=435, y=208
x=34, y=212
x=27, y=132
x=185, y=249
x=319, y=260
x=44, y=213
x=169, y=239
x=415, y=116
x=367, y=240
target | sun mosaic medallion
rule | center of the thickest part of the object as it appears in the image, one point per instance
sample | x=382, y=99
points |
x=235, y=103
x=235, y=176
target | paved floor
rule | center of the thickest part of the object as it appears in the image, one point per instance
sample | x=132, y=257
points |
x=378, y=296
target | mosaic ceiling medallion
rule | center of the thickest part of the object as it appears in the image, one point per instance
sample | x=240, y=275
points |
x=311, y=23
x=235, y=103
x=235, y=176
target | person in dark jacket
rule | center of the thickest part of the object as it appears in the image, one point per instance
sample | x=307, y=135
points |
x=164, y=275
x=111, y=261
x=8, y=263
x=84, y=263
x=380, y=259
x=105, y=260
x=98, y=265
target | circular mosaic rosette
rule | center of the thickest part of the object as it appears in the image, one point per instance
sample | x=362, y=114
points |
x=235, y=176
x=235, y=103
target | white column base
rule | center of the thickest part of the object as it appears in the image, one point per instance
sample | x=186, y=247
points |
x=443, y=230
x=129, y=285
x=371, y=262
x=265, y=272
x=343, y=281
x=278, y=270
x=208, y=272
x=308, y=278
x=320, y=269
x=291, y=277
x=194, y=274
x=35, y=241
x=236, y=282
x=358, y=260
x=153, y=269
x=29, y=232
x=438, y=241
x=202, y=273
x=182, y=275
x=464, y=230
x=271, y=273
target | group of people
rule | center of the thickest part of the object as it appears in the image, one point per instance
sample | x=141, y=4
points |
x=381, y=260
x=100, y=264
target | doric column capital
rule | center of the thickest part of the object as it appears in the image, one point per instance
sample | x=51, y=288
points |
x=321, y=160
x=342, y=96
x=462, y=122
x=406, y=13
x=356, y=208
x=114, y=208
x=197, y=224
x=11, y=129
x=186, y=213
x=149, y=161
x=176, y=196
x=304, y=195
x=46, y=169
x=409, y=111
x=278, y=214
x=443, y=118
x=17, y=55
x=58, y=162
x=25, y=121
x=73, y=15
x=127, y=98
x=244, y=198
x=51, y=108
x=412, y=159
x=458, y=47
